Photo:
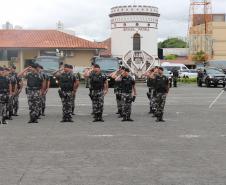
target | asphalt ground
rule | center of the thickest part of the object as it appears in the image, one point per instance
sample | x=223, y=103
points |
x=188, y=149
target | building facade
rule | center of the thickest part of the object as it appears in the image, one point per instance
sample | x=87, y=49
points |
x=22, y=46
x=214, y=42
x=134, y=28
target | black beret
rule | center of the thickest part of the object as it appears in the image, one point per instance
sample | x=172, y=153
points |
x=71, y=66
x=127, y=70
x=66, y=66
x=96, y=66
x=161, y=68
x=122, y=67
x=35, y=65
x=13, y=67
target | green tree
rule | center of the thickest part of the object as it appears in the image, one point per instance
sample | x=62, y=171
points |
x=172, y=43
x=200, y=56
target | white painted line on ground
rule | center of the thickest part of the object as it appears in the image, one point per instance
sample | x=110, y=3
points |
x=189, y=136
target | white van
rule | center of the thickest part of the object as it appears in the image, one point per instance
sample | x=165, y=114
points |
x=183, y=70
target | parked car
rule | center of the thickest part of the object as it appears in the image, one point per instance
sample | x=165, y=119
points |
x=108, y=66
x=190, y=73
x=168, y=75
x=211, y=76
x=184, y=72
x=220, y=64
x=50, y=64
x=79, y=71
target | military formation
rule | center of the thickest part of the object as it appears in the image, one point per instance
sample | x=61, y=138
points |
x=10, y=88
x=38, y=84
x=158, y=88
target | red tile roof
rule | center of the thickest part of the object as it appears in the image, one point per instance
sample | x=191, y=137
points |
x=44, y=39
x=107, y=52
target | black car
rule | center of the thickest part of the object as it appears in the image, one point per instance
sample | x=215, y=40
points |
x=220, y=64
x=50, y=65
x=211, y=76
x=108, y=66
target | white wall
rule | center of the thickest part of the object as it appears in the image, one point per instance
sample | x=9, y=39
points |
x=122, y=41
x=182, y=52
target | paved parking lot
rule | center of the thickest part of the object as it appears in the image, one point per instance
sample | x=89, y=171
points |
x=188, y=149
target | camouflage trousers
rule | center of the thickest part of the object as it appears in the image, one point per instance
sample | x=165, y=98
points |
x=151, y=97
x=16, y=103
x=66, y=98
x=4, y=98
x=9, y=109
x=73, y=102
x=43, y=103
x=119, y=101
x=160, y=104
x=126, y=104
x=98, y=101
x=34, y=100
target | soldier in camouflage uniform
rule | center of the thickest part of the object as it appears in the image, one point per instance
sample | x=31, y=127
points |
x=74, y=95
x=151, y=90
x=9, y=106
x=34, y=90
x=118, y=88
x=5, y=93
x=17, y=90
x=46, y=79
x=128, y=94
x=14, y=81
x=99, y=86
x=68, y=88
x=162, y=88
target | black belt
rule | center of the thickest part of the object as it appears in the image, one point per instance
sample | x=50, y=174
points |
x=33, y=88
x=67, y=90
x=4, y=91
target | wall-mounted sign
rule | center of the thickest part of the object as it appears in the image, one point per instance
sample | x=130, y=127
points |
x=136, y=29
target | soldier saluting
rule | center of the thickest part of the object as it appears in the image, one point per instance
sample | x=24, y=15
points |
x=68, y=88
x=161, y=88
x=128, y=94
x=34, y=90
x=99, y=88
x=117, y=76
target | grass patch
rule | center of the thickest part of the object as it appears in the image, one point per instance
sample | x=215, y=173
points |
x=187, y=80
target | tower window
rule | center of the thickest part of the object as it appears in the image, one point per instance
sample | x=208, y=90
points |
x=137, y=24
x=136, y=42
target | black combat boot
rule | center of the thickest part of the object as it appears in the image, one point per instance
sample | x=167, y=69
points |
x=35, y=121
x=31, y=120
x=63, y=120
x=129, y=119
x=151, y=111
x=43, y=111
x=4, y=121
x=160, y=118
x=15, y=112
x=120, y=114
x=95, y=118
x=100, y=117
x=69, y=119
x=124, y=118
x=73, y=111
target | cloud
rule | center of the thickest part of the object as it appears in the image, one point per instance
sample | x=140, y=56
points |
x=89, y=18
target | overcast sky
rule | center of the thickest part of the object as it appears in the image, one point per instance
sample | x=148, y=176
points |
x=89, y=18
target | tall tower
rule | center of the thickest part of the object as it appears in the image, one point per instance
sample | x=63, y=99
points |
x=200, y=27
x=134, y=28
